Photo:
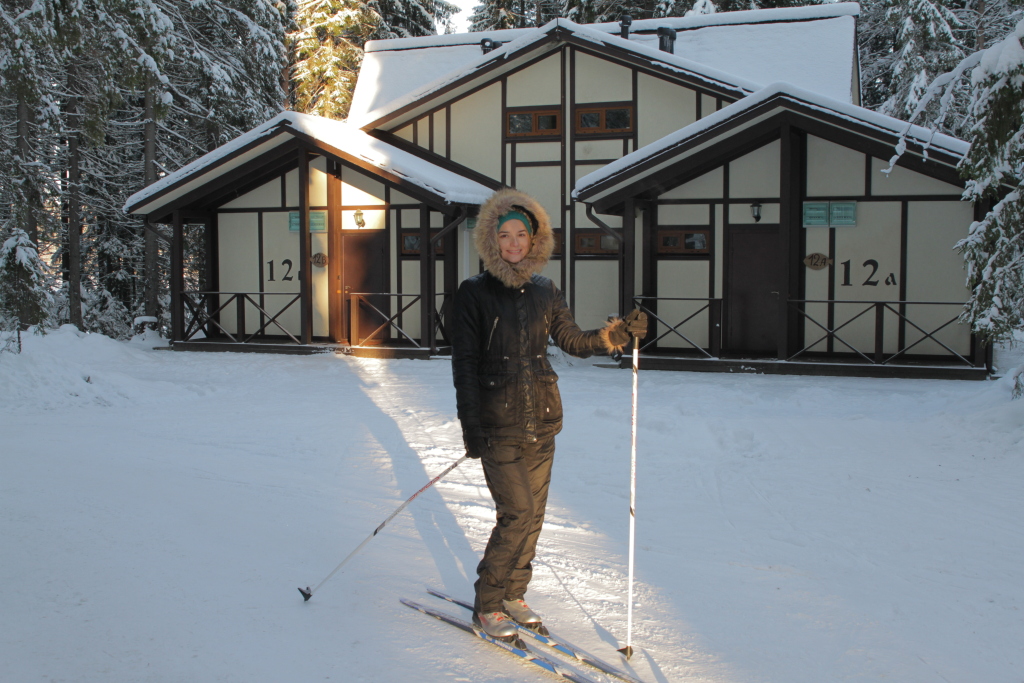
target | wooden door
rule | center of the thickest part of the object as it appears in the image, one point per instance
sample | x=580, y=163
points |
x=364, y=270
x=752, y=283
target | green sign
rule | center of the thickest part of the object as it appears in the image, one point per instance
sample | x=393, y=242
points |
x=830, y=214
x=815, y=214
x=842, y=214
x=317, y=221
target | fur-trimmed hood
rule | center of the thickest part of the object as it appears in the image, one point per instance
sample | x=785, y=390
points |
x=486, y=237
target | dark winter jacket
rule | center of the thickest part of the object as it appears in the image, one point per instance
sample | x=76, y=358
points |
x=505, y=387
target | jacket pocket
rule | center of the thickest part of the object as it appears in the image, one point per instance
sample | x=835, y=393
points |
x=497, y=405
x=548, y=399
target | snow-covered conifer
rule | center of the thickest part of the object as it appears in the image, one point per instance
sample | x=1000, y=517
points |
x=994, y=248
x=24, y=296
x=926, y=45
x=327, y=56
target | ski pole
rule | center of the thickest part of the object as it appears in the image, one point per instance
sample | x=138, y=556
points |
x=307, y=592
x=628, y=650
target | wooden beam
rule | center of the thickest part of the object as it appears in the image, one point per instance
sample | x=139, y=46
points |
x=790, y=213
x=305, y=250
x=177, y=279
x=627, y=264
x=426, y=282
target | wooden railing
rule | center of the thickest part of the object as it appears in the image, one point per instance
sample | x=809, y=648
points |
x=878, y=355
x=360, y=300
x=202, y=313
x=712, y=306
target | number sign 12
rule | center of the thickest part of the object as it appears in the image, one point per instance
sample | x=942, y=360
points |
x=287, y=275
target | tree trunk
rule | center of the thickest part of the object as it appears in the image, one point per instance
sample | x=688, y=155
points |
x=29, y=221
x=74, y=206
x=152, y=248
x=979, y=36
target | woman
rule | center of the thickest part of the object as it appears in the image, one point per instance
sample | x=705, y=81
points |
x=507, y=393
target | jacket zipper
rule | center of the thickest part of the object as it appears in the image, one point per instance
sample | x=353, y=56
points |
x=491, y=335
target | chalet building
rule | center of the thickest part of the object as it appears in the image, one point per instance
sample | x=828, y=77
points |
x=717, y=171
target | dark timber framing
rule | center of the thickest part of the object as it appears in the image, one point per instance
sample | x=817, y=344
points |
x=645, y=182
x=294, y=151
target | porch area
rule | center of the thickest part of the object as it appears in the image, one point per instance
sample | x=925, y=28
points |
x=905, y=339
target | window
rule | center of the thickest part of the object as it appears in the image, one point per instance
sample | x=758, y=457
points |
x=533, y=123
x=596, y=242
x=684, y=241
x=610, y=119
x=411, y=243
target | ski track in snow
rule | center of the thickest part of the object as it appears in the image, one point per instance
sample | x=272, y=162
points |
x=158, y=510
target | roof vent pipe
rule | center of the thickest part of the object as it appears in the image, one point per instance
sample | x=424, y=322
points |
x=624, y=23
x=667, y=39
x=487, y=45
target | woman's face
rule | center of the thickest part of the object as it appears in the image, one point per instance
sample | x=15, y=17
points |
x=514, y=241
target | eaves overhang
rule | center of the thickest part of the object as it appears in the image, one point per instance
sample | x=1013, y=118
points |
x=705, y=144
x=193, y=186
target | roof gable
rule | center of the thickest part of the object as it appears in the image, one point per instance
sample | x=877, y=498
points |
x=335, y=138
x=926, y=152
x=813, y=47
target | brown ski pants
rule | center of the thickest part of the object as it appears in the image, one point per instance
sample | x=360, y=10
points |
x=518, y=477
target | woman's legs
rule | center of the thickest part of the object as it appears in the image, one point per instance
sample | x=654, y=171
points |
x=518, y=478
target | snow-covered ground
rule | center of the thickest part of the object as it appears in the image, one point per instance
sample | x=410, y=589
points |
x=158, y=511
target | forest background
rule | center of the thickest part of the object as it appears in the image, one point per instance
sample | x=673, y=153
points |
x=99, y=98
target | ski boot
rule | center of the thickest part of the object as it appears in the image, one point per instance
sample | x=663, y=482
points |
x=497, y=625
x=524, y=616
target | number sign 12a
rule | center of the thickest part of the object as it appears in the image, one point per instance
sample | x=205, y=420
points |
x=870, y=281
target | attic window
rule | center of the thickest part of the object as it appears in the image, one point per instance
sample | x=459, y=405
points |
x=611, y=119
x=533, y=123
x=684, y=241
x=411, y=242
x=596, y=243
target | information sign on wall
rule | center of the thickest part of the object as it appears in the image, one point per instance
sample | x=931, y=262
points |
x=815, y=214
x=830, y=214
x=317, y=221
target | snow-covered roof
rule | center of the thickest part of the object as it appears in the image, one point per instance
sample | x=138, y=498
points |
x=813, y=47
x=620, y=170
x=349, y=139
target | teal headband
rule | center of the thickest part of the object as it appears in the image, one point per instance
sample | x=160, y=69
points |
x=515, y=216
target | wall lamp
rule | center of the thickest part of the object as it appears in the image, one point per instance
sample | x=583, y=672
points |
x=755, y=211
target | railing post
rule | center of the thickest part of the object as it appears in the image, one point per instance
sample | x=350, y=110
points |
x=353, y=324
x=879, y=331
x=715, y=327
x=240, y=315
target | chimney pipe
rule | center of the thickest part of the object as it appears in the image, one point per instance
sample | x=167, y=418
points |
x=667, y=39
x=624, y=22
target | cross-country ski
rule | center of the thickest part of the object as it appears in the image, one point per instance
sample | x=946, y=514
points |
x=516, y=647
x=554, y=642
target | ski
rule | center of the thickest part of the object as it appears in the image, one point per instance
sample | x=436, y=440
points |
x=524, y=652
x=551, y=641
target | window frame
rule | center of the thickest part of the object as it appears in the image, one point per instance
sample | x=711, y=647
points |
x=602, y=110
x=582, y=233
x=536, y=132
x=438, y=248
x=681, y=231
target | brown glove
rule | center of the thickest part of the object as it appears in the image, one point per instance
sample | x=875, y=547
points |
x=636, y=323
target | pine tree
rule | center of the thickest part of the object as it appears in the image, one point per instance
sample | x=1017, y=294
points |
x=327, y=57
x=927, y=44
x=24, y=299
x=328, y=38
x=994, y=248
